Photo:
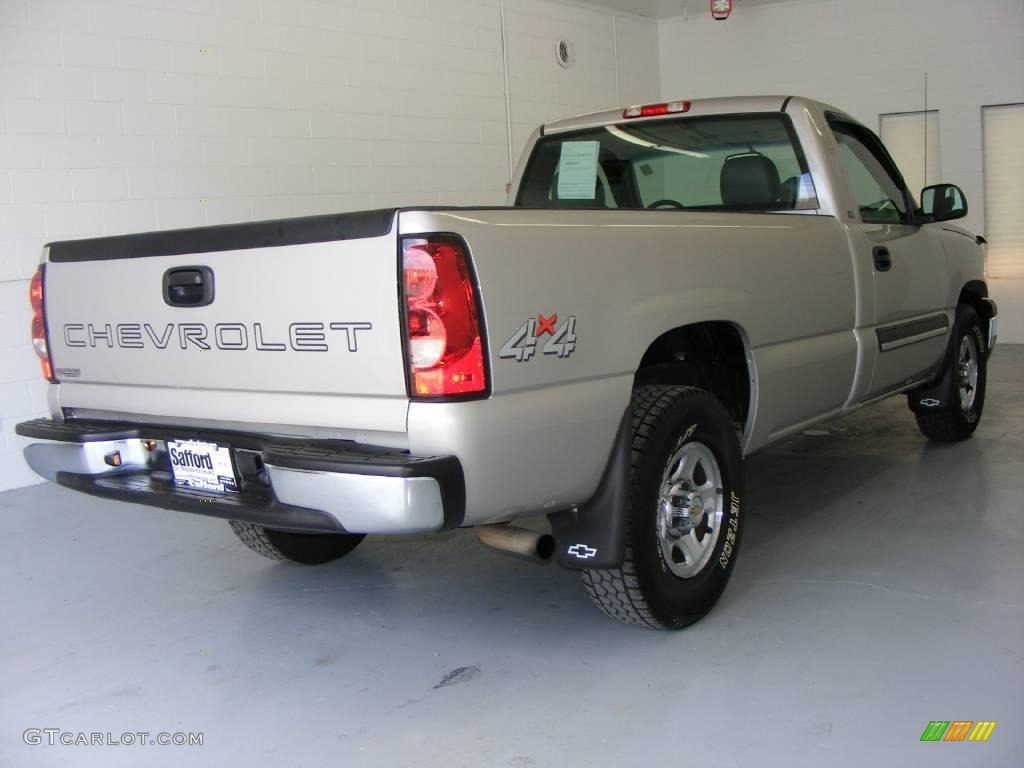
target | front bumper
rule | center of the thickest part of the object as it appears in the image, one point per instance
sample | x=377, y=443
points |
x=313, y=486
x=993, y=323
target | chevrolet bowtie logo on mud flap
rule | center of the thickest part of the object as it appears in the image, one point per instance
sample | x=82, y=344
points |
x=931, y=402
x=582, y=551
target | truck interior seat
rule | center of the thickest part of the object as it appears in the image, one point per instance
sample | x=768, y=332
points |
x=750, y=180
x=788, y=191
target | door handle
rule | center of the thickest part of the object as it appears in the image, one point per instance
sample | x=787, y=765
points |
x=883, y=259
x=188, y=286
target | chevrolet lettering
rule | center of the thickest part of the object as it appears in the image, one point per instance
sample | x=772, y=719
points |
x=298, y=337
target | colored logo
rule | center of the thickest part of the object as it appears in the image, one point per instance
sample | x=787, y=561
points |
x=958, y=730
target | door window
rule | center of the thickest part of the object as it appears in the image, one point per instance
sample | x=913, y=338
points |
x=877, y=186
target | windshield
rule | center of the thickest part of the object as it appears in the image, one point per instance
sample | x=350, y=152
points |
x=730, y=162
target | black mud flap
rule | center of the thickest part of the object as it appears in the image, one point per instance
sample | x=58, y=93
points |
x=933, y=397
x=593, y=536
x=939, y=394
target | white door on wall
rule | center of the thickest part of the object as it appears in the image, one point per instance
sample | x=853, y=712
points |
x=912, y=139
x=1004, y=189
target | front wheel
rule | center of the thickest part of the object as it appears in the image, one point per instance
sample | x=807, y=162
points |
x=684, y=522
x=958, y=410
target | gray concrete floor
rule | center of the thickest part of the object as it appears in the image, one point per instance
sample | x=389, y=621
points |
x=880, y=586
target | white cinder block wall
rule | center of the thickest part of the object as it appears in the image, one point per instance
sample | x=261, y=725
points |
x=540, y=88
x=144, y=114
x=869, y=57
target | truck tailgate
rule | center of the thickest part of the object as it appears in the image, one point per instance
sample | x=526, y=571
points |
x=301, y=308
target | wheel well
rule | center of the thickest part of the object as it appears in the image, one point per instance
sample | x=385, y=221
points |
x=709, y=355
x=974, y=294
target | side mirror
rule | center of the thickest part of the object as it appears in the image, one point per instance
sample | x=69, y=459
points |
x=943, y=202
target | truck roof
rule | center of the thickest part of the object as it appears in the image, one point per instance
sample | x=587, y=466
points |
x=698, y=107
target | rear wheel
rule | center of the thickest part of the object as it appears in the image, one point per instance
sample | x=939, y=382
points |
x=684, y=522
x=964, y=398
x=298, y=548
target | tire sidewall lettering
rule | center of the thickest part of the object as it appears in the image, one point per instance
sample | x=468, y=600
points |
x=731, y=531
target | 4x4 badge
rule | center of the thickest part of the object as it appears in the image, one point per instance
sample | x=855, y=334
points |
x=523, y=344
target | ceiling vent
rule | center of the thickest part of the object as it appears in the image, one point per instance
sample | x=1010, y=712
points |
x=564, y=53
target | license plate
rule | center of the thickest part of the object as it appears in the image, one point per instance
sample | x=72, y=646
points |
x=206, y=466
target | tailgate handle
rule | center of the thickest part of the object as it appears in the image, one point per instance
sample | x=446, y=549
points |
x=188, y=286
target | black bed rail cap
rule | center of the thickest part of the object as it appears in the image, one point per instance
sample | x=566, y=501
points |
x=228, y=237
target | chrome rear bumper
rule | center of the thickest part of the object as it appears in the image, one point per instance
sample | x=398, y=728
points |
x=316, y=486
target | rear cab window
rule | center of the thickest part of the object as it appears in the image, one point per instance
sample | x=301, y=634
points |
x=725, y=162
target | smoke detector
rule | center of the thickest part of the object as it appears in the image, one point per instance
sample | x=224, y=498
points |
x=565, y=53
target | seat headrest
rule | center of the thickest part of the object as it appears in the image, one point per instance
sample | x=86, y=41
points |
x=750, y=181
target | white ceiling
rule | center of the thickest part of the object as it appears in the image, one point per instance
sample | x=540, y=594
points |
x=663, y=9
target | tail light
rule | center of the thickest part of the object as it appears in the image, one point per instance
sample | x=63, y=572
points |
x=39, y=338
x=444, y=342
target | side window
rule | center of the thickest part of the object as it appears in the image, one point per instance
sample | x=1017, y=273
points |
x=876, y=188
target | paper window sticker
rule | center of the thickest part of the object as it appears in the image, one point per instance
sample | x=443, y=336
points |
x=577, y=170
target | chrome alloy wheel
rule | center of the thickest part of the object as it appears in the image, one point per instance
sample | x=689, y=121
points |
x=967, y=372
x=690, y=508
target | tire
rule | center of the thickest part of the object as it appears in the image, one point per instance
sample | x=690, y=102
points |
x=659, y=585
x=298, y=548
x=965, y=394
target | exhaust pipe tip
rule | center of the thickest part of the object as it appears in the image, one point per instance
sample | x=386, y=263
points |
x=518, y=542
x=546, y=547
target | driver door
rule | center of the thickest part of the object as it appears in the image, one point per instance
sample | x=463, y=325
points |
x=911, y=322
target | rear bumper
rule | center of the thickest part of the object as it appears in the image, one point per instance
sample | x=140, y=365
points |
x=325, y=486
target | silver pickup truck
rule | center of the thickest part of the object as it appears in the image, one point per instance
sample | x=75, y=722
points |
x=670, y=288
